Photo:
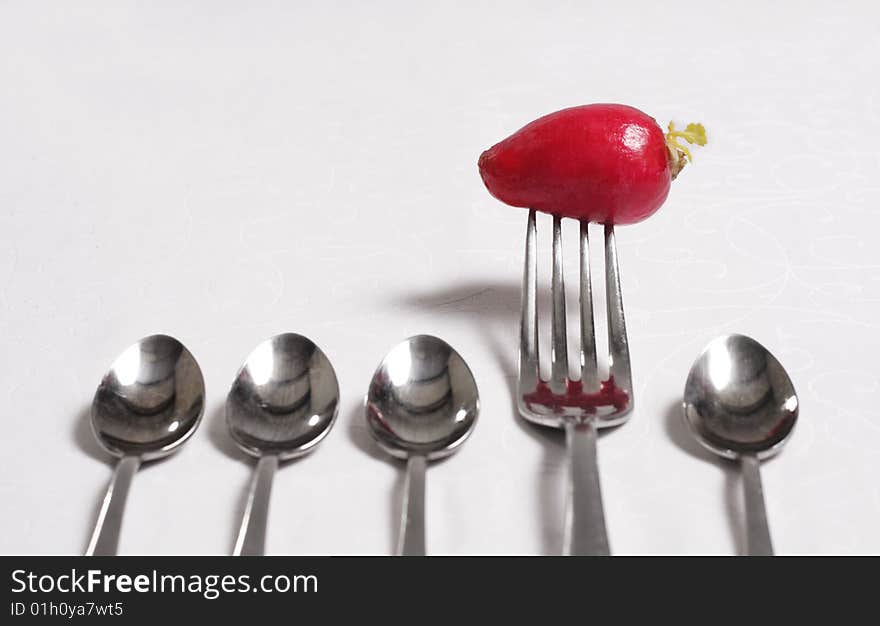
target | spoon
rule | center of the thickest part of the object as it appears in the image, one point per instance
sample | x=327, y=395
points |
x=740, y=404
x=149, y=402
x=282, y=404
x=421, y=406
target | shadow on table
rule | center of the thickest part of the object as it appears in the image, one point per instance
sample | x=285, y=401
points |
x=359, y=434
x=85, y=439
x=219, y=435
x=680, y=435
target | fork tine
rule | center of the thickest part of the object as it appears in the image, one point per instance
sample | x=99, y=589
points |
x=559, y=353
x=618, y=346
x=529, y=368
x=589, y=369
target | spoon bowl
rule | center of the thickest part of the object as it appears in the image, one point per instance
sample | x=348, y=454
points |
x=284, y=400
x=150, y=401
x=422, y=400
x=739, y=400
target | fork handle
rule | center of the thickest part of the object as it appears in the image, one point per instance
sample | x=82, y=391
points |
x=585, y=533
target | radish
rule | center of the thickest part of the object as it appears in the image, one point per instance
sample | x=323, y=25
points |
x=606, y=163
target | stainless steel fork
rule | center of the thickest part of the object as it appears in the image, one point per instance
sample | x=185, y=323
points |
x=580, y=406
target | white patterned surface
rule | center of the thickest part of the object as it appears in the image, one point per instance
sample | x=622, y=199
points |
x=222, y=172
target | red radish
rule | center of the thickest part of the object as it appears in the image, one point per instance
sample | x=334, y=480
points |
x=607, y=163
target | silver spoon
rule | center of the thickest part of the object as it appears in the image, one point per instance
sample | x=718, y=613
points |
x=741, y=405
x=282, y=404
x=149, y=402
x=422, y=405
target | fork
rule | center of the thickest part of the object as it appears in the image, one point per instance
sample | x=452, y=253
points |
x=580, y=406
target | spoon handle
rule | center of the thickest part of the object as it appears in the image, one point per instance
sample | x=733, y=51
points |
x=757, y=529
x=105, y=537
x=251, y=539
x=411, y=541
x=585, y=533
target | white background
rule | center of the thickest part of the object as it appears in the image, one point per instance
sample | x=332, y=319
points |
x=226, y=171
